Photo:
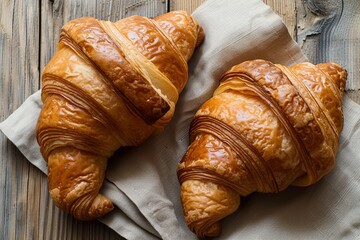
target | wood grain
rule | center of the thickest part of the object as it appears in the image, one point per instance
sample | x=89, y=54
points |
x=19, y=74
x=284, y=8
x=186, y=5
x=328, y=31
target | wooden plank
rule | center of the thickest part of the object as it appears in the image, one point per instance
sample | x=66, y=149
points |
x=284, y=8
x=19, y=36
x=19, y=74
x=328, y=31
x=186, y=5
x=354, y=95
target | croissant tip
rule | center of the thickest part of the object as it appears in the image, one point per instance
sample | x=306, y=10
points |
x=200, y=36
x=205, y=203
x=94, y=214
x=212, y=231
x=100, y=206
x=337, y=72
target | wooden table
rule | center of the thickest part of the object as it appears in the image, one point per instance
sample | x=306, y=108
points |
x=29, y=31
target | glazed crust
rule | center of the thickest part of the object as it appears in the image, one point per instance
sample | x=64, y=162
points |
x=266, y=127
x=109, y=85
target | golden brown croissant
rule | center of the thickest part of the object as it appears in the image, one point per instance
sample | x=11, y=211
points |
x=265, y=128
x=109, y=85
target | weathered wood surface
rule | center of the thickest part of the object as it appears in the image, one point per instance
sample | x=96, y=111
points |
x=29, y=30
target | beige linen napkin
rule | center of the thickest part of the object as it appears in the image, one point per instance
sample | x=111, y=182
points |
x=142, y=181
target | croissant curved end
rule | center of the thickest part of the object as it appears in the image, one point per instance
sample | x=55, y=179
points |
x=85, y=208
x=200, y=36
x=205, y=204
x=100, y=206
x=337, y=73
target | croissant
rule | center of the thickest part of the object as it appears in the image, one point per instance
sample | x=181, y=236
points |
x=109, y=85
x=265, y=128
